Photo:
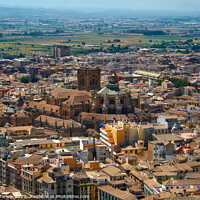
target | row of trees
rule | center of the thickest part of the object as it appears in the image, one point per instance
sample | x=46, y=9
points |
x=146, y=32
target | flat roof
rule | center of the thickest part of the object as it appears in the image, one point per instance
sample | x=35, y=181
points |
x=34, y=142
x=167, y=137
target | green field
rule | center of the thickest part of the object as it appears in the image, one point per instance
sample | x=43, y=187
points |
x=16, y=45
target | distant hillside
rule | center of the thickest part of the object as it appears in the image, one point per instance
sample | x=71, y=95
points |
x=94, y=13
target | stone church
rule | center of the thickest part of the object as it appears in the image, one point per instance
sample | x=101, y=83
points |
x=89, y=104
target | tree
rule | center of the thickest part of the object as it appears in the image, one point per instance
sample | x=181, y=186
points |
x=24, y=79
x=116, y=40
x=33, y=79
x=21, y=55
x=179, y=83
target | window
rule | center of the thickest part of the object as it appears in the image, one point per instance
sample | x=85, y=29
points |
x=102, y=101
x=83, y=81
x=94, y=80
x=112, y=101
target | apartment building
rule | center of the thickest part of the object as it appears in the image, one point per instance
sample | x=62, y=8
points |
x=157, y=149
x=56, y=183
x=110, y=193
x=82, y=186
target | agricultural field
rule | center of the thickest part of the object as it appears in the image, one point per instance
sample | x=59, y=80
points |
x=15, y=45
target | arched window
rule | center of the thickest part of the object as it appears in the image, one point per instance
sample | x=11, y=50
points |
x=93, y=80
x=83, y=82
x=121, y=101
x=65, y=113
x=102, y=101
x=112, y=101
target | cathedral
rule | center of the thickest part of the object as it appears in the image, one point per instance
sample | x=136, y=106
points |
x=90, y=104
x=108, y=100
x=111, y=99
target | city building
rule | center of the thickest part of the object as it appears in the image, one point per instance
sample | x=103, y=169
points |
x=89, y=79
x=56, y=183
x=109, y=193
x=59, y=51
x=82, y=186
x=157, y=149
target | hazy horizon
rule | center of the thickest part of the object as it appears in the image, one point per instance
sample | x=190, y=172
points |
x=107, y=4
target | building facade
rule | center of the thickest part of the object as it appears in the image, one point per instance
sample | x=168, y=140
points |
x=89, y=79
x=59, y=51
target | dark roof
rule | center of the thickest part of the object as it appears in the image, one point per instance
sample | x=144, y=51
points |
x=167, y=137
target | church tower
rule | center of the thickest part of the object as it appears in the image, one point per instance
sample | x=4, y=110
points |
x=89, y=78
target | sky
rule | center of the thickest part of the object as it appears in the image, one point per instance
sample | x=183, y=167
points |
x=130, y=4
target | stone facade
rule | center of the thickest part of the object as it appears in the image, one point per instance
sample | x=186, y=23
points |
x=89, y=79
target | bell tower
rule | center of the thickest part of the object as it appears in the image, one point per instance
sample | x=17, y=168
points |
x=89, y=78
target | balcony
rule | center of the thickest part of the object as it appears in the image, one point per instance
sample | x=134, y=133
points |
x=104, y=136
x=107, y=143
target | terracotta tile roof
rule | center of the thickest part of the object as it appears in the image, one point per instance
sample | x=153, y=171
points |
x=112, y=171
x=77, y=100
x=43, y=105
x=48, y=179
x=172, y=182
x=60, y=122
x=128, y=148
x=151, y=182
x=183, y=167
x=20, y=114
x=127, y=166
x=103, y=117
x=138, y=176
x=122, y=195
x=135, y=188
x=62, y=93
x=117, y=182
x=33, y=159
x=161, y=196
x=165, y=173
x=165, y=168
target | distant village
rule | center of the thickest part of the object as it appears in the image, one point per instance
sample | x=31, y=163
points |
x=102, y=126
